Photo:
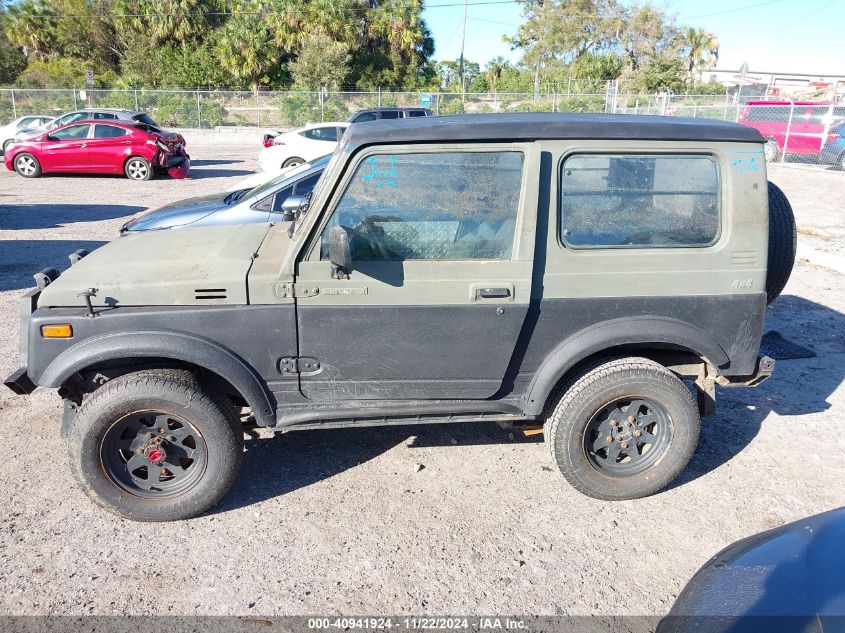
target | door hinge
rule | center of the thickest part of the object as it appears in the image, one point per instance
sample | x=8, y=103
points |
x=295, y=365
x=298, y=291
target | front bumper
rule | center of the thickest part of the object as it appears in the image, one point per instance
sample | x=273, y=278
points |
x=20, y=382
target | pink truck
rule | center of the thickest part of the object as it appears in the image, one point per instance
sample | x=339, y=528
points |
x=793, y=127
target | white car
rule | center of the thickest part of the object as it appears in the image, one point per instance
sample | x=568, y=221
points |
x=28, y=122
x=301, y=145
x=261, y=177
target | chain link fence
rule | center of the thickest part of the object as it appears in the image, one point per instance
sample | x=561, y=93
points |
x=806, y=132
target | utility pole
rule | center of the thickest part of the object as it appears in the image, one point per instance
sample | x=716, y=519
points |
x=463, y=41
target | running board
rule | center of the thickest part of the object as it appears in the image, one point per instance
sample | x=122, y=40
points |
x=324, y=416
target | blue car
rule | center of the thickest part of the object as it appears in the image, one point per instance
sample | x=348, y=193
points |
x=247, y=206
x=833, y=152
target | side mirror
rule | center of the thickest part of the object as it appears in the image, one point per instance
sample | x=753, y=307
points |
x=290, y=206
x=339, y=253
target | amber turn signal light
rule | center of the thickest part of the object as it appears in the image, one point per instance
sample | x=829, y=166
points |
x=60, y=330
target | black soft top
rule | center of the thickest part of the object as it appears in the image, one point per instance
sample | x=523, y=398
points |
x=547, y=125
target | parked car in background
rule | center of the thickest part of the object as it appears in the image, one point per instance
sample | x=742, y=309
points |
x=833, y=152
x=22, y=123
x=91, y=114
x=784, y=580
x=99, y=147
x=388, y=112
x=260, y=177
x=808, y=132
x=301, y=145
x=247, y=206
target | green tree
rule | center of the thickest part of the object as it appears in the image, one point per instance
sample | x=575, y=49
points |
x=245, y=49
x=493, y=73
x=322, y=65
x=702, y=50
x=31, y=25
x=12, y=59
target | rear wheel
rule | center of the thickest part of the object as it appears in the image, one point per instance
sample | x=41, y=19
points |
x=7, y=144
x=138, y=168
x=155, y=446
x=293, y=161
x=27, y=166
x=624, y=429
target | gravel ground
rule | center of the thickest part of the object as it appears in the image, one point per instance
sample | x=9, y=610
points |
x=342, y=522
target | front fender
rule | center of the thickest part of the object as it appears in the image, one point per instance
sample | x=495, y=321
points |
x=177, y=346
x=609, y=334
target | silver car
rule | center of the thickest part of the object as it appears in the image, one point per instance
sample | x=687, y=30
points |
x=97, y=114
x=247, y=206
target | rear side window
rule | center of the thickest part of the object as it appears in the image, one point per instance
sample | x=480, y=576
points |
x=108, y=131
x=444, y=205
x=414, y=113
x=389, y=114
x=321, y=134
x=639, y=201
x=144, y=118
x=104, y=116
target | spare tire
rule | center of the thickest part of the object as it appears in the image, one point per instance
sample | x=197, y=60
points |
x=783, y=240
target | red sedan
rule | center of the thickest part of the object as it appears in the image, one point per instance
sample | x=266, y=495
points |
x=97, y=147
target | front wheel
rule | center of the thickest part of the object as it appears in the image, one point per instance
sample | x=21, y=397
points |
x=624, y=429
x=7, y=144
x=138, y=168
x=155, y=446
x=27, y=166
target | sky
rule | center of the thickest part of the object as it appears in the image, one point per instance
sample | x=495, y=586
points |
x=795, y=36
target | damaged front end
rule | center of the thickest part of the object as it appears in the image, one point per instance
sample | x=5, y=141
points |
x=172, y=156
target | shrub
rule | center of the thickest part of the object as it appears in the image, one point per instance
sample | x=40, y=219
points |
x=304, y=107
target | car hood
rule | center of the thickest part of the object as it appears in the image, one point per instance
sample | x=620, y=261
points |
x=177, y=213
x=163, y=268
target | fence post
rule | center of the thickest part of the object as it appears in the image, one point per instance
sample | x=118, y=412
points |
x=379, y=96
x=136, y=99
x=437, y=104
x=258, y=107
x=788, y=131
x=14, y=107
x=199, y=111
x=73, y=90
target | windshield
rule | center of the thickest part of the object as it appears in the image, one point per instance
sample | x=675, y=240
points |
x=267, y=186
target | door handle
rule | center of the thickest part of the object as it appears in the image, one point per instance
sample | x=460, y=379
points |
x=493, y=293
x=83, y=145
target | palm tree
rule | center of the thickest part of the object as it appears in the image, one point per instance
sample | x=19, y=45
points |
x=702, y=51
x=495, y=67
x=31, y=26
x=246, y=49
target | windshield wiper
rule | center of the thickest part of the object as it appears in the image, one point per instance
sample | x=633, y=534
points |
x=235, y=196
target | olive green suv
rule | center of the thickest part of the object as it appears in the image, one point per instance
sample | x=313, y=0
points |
x=597, y=275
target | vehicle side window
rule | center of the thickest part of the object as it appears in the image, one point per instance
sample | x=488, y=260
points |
x=108, y=131
x=71, y=133
x=444, y=205
x=639, y=201
x=389, y=114
x=415, y=113
x=771, y=114
x=306, y=185
x=277, y=200
x=69, y=118
x=104, y=115
x=28, y=124
x=365, y=116
x=321, y=134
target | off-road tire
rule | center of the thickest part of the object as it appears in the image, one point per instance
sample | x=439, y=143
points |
x=783, y=241
x=26, y=173
x=138, y=168
x=595, y=387
x=172, y=391
x=292, y=161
